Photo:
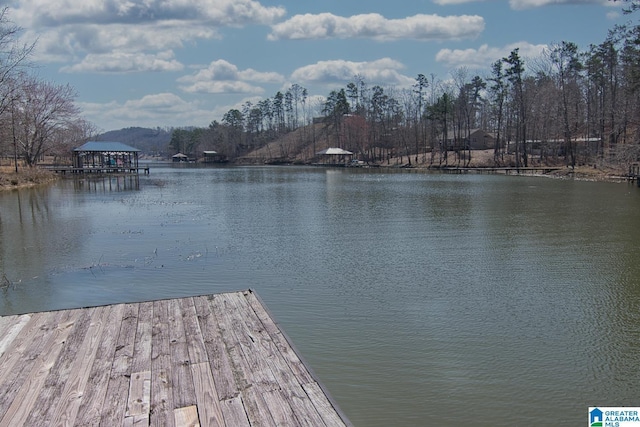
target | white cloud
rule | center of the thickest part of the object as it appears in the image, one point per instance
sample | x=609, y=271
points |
x=159, y=103
x=70, y=42
x=612, y=16
x=448, y=2
x=223, y=77
x=125, y=62
x=69, y=30
x=382, y=71
x=222, y=87
x=257, y=76
x=485, y=55
x=54, y=13
x=375, y=26
x=528, y=4
x=162, y=109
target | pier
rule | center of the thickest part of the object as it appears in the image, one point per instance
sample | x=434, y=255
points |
x=634, y=173
x=215, y=360
x=507, y=170
x=99, y=169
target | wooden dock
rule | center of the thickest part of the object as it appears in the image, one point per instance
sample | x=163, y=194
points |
x=216, y=360
x=101, y=169
x=507, y=170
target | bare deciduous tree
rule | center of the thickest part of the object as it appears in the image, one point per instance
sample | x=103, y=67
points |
x=13, y=58
x=40, y=112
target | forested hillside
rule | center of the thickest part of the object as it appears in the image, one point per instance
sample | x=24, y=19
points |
x=570, y=106
x=153, y=142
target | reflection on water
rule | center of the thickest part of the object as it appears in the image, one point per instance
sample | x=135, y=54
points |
x=104, y=183
x=418, y=299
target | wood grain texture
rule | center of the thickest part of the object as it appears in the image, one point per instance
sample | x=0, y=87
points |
x=10, y=328
x=186, y=417
x=32, y=385
x=206, y=396
x=93, y=401
x=215, y=360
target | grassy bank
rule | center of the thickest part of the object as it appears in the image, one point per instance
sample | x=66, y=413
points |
x=484, y=159
x=26, y=177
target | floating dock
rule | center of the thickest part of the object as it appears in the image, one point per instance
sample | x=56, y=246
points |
x=216, y=360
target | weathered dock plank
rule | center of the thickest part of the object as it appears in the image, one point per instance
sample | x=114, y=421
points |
x=206, y=395
x=48, y=399
x=214, y=360
x=139, y=394
x=94, y=396
x=112, y=408
x=289, y=394
x=10, y=327
x=234, y=412
x=20, y=357
x=106, y=359
x=77, y=380
x=186, y=417
x=192, y=332
x=161, y=404
x=27, y=390
x=245, y=374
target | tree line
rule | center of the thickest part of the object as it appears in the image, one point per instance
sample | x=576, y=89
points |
x=566, y=106
x=251, y=127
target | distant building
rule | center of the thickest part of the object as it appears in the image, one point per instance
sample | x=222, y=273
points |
x=213, y=157
x=335, y=156
x=477, y=139
x=176, y=158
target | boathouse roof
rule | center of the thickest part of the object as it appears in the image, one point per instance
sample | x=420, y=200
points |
x=106, y=146
x=334, y=151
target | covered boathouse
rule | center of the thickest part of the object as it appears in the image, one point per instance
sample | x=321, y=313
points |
x=103, y=156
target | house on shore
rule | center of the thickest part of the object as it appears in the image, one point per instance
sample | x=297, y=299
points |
x=474, y=139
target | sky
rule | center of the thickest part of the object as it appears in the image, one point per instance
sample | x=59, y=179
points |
x=177, y=63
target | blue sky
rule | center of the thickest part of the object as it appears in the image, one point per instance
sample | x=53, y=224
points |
x=187, y=62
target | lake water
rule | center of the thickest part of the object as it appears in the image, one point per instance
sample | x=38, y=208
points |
x=416, y=298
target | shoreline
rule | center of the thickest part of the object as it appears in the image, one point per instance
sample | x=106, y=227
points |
x=25, y=178
x=32, y=177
